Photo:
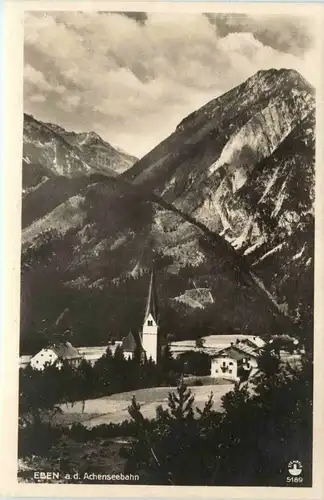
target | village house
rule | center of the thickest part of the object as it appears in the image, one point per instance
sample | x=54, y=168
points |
x=214, y=343
x=56, y=354
x=235, y=361
x=223, y=366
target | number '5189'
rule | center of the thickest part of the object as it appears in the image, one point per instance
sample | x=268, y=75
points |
x=294, y=479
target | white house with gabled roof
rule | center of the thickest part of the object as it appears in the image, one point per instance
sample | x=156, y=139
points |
x=56, y=354
x=235, y=360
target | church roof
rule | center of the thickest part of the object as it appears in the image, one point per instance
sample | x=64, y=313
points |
x=151, y=304
x=128, y=343
x=131, y=342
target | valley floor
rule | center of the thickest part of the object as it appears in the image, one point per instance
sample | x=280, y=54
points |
x=114, y=408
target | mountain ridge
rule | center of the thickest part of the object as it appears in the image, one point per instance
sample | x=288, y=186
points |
x=59, y=151
x=156, y=207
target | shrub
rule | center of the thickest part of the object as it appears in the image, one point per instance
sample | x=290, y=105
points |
x=32, y=441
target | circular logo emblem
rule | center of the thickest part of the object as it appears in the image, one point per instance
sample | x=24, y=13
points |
x=295, y=468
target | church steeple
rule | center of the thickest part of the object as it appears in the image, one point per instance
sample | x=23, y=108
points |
x=150, y=326
x=152, y=303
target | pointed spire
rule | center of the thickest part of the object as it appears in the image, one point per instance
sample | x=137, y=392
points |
x=151, y=304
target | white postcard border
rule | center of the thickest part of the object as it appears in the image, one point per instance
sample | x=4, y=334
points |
x=13, y=126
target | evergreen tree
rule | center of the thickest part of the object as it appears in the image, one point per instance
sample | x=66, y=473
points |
x=40, y=392
x=269, y=421
x=180, y=403
x=85, y=377
x=166, y=360
x=200, y=342
x=104, y=373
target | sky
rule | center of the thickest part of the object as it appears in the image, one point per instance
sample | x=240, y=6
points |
x=132, y=77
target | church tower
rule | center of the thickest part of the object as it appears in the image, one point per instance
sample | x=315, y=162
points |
x=150, y=341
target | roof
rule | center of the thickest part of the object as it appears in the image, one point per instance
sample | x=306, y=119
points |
x=255, y=341
x=131, y=342
x=65, y=351
x=247, y=349
x=237, y=351
x=151, y=304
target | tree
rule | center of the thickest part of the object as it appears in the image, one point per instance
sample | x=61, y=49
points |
x=145, y=441
x=40, y=392
x=180, y=403
x=166, y=450
x=195, y=363
x=200, y=342
x=269, y=361
x=86, y=382
x=104, y=373
x=166, y=361
x=264, y=424
x=272, y=420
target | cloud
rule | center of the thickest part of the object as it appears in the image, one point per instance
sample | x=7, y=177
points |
x=139, y=17
x=69, y=102
x=37, y=98
x=36, y=78
x=133, y=77
x=292, y=34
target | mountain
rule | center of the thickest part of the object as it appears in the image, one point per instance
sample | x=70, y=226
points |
x=53, y=151
x=225, y=208
x=57, y=164
x=99, y=153
x=243, y=165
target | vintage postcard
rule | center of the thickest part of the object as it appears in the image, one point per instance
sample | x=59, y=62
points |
x=163, y=326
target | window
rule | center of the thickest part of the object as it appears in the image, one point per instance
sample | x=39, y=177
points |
x=42, y=354
x=224, y=363
x=229, y=371
x=231, y=363
x=216, y=371
x=150, y=322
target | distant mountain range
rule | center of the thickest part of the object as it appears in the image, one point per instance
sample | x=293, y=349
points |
x=225, y=205
x=57, y=164
x=49, y=150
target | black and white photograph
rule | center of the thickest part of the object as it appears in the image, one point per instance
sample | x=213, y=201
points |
x=167, y=248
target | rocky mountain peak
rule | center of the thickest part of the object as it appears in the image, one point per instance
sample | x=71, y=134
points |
x=262, y=86
x=50, y=149
x=243, y=165
x=90, y=138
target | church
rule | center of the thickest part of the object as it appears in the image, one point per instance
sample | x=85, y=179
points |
x=148, y=341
